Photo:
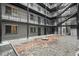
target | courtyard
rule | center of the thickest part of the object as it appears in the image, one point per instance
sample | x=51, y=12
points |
x=62, y=46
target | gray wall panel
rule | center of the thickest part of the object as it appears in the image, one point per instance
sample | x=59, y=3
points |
x=21, y=31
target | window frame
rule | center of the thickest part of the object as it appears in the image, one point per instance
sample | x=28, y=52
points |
x=32, y=29
x=39, y=19
x=14, y=11
x=31, y=4
x=31, y=17
x=11, y=29
x=39, y=8
x=8, y=10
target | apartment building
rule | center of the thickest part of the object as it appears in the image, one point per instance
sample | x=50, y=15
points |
x=23, y=20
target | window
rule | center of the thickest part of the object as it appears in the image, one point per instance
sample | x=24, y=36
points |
x=44, y=21
x=39, y=9
x=44, y=11
x=14, y=29
x=31, y=4
x=10, y=29
x=31, y=17
x=47, y=13
x=8, y=10
x=47, y=22
x=32, y=29
x=39, y=19
x=14, y=10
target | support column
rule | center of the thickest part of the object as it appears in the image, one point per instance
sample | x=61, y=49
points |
x=78, y=21
x=60, y=30
x=0, y=25
x=56, y=30
x=77, y=43
x=27, y=20
x=0, y=32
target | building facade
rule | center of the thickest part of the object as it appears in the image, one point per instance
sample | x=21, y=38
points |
x=23, y=20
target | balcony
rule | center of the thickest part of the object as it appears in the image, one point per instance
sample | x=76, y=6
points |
x=16, y=14
x=36, y=7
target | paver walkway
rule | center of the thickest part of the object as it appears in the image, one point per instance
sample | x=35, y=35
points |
x=65, y=46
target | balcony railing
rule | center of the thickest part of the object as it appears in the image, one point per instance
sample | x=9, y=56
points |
x=14, y=18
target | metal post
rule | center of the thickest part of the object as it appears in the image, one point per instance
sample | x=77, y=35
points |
x=77, y=21
x=27, y=20
x=77, y=43
x=0, y=24
x=45, y=26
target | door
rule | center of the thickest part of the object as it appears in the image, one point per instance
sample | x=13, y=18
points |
x=39, y=31
x=44, y=31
